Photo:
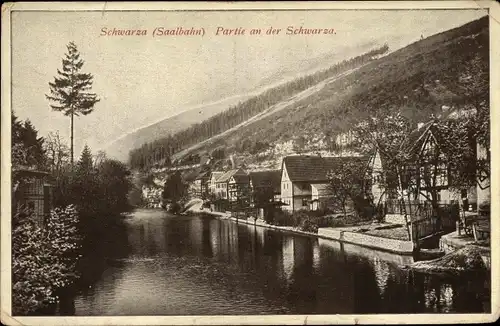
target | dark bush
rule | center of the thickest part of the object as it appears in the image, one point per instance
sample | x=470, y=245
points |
x=299, y=216
x=309, y=225
x=484, y=209
x=282, y=218
x=174, y=208
x=364, y=208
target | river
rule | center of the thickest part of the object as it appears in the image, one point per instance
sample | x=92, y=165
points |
x=193, y=265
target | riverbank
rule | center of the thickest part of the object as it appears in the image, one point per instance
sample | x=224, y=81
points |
x=215, y=266
x=341, y=234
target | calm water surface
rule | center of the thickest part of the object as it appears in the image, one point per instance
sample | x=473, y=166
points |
x=204, y=266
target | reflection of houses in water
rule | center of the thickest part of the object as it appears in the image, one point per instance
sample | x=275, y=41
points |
x=447, y=297
x=288, y=258
x=215, y=237
x=440, y=298
x=232, y=237
x=260, y=236
x=316, y=256
x=382, y=273
x=195, y=235
x=147, y=237
x=224, y=240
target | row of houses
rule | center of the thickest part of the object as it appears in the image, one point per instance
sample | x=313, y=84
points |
x=302, y=182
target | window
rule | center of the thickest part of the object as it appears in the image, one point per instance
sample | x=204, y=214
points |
x=442, y=176
x=305, y=202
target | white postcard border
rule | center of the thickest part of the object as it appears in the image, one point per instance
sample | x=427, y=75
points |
x=5, y=226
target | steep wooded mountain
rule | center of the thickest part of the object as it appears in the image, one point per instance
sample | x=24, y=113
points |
x=159, y=150
x=446, y=70
x=120, y=148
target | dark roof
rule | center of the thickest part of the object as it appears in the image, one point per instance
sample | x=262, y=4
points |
x=270, y=178
x=241, y=178
x=31, y=172
x=203, y=175
x=416, y=138
x=216, y=174
x=226, y=176
x=23, y=169
x=316, y=168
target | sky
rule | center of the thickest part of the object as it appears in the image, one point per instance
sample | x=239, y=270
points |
x=143, y=79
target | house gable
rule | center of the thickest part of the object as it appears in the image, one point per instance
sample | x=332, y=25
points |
x=284, y=174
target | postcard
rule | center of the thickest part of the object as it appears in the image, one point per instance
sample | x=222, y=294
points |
x=246, y=163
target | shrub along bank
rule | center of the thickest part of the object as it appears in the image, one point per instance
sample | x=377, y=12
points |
x=310, y=221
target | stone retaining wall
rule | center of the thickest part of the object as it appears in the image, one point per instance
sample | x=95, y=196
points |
x=395, y=219
x=361, y=239
x=370, y=241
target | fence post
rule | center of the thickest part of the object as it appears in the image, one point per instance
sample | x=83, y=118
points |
x=414, y=235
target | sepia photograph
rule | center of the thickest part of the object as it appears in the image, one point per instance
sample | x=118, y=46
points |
x=248, y=161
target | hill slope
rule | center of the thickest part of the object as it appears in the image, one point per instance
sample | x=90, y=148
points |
x=446, y=69
x=120, y=148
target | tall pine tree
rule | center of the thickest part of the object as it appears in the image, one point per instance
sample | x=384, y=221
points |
x=69, y=92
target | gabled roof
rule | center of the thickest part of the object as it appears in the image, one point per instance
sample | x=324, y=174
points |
x=323, y=188
x=417, y=137
x=190, y=175
x=216, y=174
x=202, y=175
x=316, y=168
x=30, y=171
x=239, y=178
x=270, y=178
x=226, y=176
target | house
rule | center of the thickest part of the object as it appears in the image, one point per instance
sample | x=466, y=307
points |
x=222, y=182
x=239, y=192
x=483, y=180
x=377, y=166
x=200, y=184
x=266, y=182
x=265, y=187
x=429, y=174
x=212, y=184
x=32, y=190
x=301, y=173
x=320, y=192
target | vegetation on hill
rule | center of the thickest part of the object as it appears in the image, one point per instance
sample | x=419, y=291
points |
x=160, y=150
x=49, y=254
x=448, y=69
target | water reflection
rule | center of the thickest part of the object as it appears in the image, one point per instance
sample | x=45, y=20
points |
x=203, y=266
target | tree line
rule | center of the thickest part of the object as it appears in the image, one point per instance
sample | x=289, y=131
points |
x=162, y=149
x=50, y=255
x=88, y=199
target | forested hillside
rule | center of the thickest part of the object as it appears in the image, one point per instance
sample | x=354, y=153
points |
x=121, y=147
x=161, y=149
x=449, y=70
